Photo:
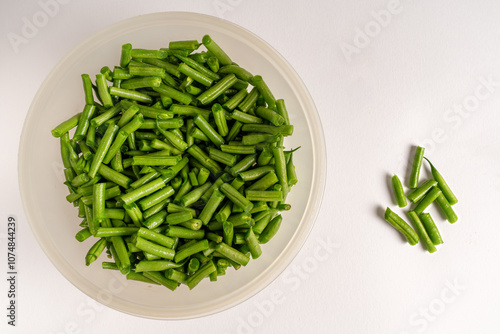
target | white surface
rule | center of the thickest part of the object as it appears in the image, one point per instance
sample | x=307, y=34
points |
x=54, y=222
x=393, y=94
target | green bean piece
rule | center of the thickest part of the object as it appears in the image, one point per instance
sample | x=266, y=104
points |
x=173, y=94
x=192, y=224
x=431, y=228
x=145, y=70
x=399, y=224
x=256, y=138
x=140, y=277
x=179, y=217
x=253, y=244
x=80, y=179
x=285, y=130
x=155, y=220
x=280, y=164
x=121, y=251
x=194, y=195
x=216, y=50
x=193, y=179
x=445, y=206
x=195, y=75
x=267, y=195
x=220, y=119
x=98, y=206
x=270, y=115
x=261, y=224
x=202, y=273
x=270, y=230
x=265, y=157
x=156, y=198
x=134, y=214
x=160, y=279
x=190, y=45
x=115, y=176
x=232, y=254
x=65, y=126
x=235, y=100
x=169, y=68
x=156, y=209
x=109, y=266
x=102, y=149
x=95, y=251
x=224, y=212
x=114, y=213
x=84, y=122
x=121, y=74
x=83, y=235
x=130, y=94
x=213, y=63
x=223, y=178
x=216, y=90
x=143, y=53
x=106, y=116
x=258, y=82
x=126, y=55
x=245, y=118
x=420, y=192
x=154, y=248
x=280, y=105
x=234, y=131
x=244, y=164
x=398, y=191
x=156, y=237
x=222, y=157
x=87, y=88
x=182, y=232
x=240, y=72
x=228, y=232
x=211, y=206
x=214, y=237
x=176, y=276
x=203, y=175
x=416, y=166
x=117, y=162
x=155, y=161
x=234, y=196
x=103, y=91
x=238, y=149
x=431, y=196
x=199, y=246
x=419, y=227
x=143, y=191
x=204, y=160
x=292, y=174
x=198, y=134
x=103, y=232
x=450, y=196
x=265, y=182
x=208, y=130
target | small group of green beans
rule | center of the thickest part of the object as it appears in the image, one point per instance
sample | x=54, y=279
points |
x=178, y=168
x=433, y=190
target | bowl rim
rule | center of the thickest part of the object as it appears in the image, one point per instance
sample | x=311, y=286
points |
x=314, y=201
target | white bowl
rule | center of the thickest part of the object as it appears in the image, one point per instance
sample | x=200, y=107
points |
x=54, y=221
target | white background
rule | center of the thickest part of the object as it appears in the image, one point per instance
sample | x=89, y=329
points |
x=416, y=78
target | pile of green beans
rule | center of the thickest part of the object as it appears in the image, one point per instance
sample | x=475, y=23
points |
x=177, y=164
x=433, y=190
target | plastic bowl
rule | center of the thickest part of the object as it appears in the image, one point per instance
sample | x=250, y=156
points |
x=54, y=221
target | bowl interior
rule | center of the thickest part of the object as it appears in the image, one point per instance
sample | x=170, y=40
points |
x=54, y=221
